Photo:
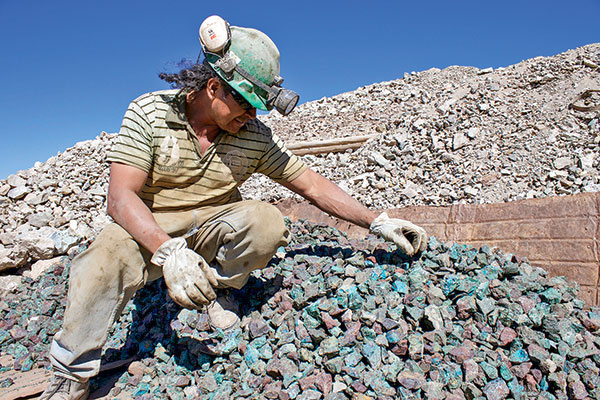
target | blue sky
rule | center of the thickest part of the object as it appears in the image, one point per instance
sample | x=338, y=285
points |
x=68, y=69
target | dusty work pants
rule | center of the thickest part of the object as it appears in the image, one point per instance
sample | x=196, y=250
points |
x=234, y=239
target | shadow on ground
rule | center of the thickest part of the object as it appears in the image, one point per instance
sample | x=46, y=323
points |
x=157, y=327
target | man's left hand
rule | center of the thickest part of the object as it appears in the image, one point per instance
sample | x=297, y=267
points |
x=410, y=238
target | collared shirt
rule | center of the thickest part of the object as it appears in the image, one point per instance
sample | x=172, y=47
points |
x=156, y=138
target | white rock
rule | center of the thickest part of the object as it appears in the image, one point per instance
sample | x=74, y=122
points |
x=562, y=162
x=376, y=158
x=459, y=141
x=39, y=247
x=436, y=142
x=41, y=266
x=471, y=191
x=586, y=162
x=36, y=198
x=592, y=187
x=190, y=392
x=4, y=189
x=73, y=226
x=447, y=105
x=5, y=261
x=40, y=219
x=410, y=192
x=450, y=158
x=13, y=257
x=10, y=283
x=426, y=109
x=84, y=231
x=549, y=365
x=434, y=316
x=472, y=133
x=338, y=387
x=46, y=183
x=419, y=124
x=8, y=238
x=99, y=222
x=16, y=181
x=18, y=192
x=64, y=240
x=98, y=190
x=556, y=174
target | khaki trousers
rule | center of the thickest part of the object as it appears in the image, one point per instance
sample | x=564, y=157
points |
x=234, y=239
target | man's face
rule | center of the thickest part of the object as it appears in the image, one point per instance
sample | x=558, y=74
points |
x=227, y=112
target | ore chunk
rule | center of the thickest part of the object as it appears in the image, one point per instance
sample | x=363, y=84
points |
x=496, y=390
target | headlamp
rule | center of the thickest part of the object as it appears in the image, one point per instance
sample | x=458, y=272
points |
x=283, y=100
x=215, y=38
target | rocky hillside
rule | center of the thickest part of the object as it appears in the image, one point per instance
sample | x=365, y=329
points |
x=445, y=136
x=460, y=134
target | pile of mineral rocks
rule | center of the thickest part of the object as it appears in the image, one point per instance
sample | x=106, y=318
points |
x=333, y=318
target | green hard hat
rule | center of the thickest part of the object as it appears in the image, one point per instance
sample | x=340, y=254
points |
x=256, y=53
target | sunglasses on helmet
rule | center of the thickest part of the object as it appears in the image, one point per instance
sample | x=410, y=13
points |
x=239, y=99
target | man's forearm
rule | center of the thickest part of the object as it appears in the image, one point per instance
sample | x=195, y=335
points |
x=129, y=211
x=340, y=204
x=330, y=198
x=346, y=208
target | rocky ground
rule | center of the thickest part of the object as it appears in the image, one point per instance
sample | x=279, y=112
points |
x=445, y=136
x=336, y=319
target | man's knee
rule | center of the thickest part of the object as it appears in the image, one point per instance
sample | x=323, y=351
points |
x=112, y=254
x=268, y=225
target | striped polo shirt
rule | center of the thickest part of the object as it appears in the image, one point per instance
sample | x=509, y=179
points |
x=156, y=138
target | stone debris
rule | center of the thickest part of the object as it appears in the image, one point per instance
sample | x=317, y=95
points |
x=54, y=206
x=461, y=135
x=333, y=318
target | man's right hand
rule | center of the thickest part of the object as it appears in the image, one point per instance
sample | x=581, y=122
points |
x=187, y=275
x=410, y=238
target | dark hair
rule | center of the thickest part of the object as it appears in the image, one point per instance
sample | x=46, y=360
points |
x=190, y=77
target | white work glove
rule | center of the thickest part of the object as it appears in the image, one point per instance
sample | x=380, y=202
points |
x=187, y=275
x=410, y=238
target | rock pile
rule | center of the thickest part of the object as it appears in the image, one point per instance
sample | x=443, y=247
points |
x=50, y=208
x=456, y=135
x=460, y=134
x=332, y=319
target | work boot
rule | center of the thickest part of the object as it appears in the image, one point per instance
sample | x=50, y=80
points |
x=223, y=313
x=61, y=388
